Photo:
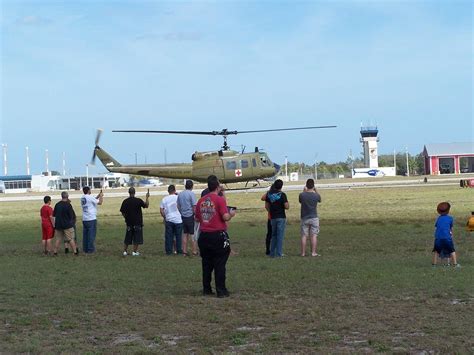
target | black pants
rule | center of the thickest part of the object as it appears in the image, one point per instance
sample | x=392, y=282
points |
x=268, y=239
x=214, y=249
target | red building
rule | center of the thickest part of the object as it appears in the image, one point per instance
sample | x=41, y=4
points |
x=449, y=158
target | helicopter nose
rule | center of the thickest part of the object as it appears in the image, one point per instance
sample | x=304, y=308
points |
x=277, y=167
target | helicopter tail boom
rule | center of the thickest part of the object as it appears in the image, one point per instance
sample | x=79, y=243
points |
x=106, y=159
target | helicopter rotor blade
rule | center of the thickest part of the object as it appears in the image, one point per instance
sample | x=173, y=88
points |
x=223, y=132
x=284, y=129
x=208, y=133
x=97, y=139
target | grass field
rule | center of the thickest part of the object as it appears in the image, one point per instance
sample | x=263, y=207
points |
x=373, y=289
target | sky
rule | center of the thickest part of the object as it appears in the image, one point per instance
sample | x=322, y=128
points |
x=71, y=67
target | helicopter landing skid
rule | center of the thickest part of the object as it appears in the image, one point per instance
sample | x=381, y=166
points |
x=255, y=184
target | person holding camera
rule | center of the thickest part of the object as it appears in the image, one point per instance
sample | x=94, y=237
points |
x=89, y=218
x=214, y=245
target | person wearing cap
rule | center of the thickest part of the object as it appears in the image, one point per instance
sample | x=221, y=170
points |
x=443, y=245
x=186, y=206
x=89, y=218
x=131, y=210
x=173, y=222
x=214, y=245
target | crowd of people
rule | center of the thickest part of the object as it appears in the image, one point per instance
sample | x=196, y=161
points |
x=203, y=224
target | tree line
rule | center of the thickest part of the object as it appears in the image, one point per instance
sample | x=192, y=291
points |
x=323, y=169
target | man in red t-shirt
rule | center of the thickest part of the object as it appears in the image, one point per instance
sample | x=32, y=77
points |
x=214, y=245
x=47, y=225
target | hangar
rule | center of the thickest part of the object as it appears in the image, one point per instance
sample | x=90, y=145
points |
x=449, y=158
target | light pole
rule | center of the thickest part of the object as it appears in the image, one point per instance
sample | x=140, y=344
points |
x=87, y=174
x=5, y=168
x=408, y=167
x=27, y=161
x=316, y=167
x=47, y=162
x=395, y=161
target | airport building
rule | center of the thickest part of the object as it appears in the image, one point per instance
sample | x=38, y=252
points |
x=449, y=158
x=43, y=183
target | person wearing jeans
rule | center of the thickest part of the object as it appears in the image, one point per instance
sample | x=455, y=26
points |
x=89, y=218
x=276, y=245
x=173, y=221
x=173, y=231
x=276, y=203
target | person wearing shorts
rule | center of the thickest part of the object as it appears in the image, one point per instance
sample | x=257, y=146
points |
x=64, y=217
x=309, y=200
x=186, y=206
x=131, y=210
x=47, y=225
x=443, y=244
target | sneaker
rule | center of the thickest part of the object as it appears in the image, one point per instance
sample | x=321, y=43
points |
x=457, y=265
x=208, y=293
x=135, y=253
x=315, y=254
x=124, y=253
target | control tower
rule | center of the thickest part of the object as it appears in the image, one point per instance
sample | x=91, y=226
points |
x=369, y=142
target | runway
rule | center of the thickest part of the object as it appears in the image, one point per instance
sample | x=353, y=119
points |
x=346, y=185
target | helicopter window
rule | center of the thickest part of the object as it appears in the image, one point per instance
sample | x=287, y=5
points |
x=254, y=163
x=231, y=165
x=264, y=161
x=244, y=164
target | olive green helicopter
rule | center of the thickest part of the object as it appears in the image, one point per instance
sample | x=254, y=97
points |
x=228, y=165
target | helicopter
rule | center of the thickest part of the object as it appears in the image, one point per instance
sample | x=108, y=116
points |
x=228, y=165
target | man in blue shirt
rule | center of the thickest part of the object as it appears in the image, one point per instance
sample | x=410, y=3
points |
x=186, y=206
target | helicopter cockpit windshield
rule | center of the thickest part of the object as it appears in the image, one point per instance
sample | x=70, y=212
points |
x=265, y=160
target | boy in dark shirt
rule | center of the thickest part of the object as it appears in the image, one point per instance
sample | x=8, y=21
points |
x=276, y=203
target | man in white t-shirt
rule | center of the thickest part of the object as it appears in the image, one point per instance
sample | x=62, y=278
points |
x=173, y=222
x=89, y=218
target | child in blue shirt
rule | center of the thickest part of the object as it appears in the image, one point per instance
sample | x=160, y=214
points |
x=443, y=245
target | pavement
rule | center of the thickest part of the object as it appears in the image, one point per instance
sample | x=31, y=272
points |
x=345, y=185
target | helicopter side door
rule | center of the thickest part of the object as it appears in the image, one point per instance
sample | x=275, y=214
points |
x=239, y=168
